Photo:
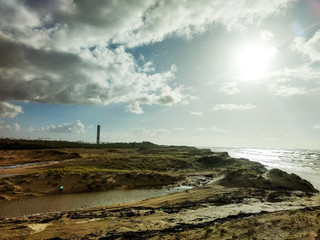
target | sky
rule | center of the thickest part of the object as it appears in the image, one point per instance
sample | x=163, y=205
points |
x=236, y=73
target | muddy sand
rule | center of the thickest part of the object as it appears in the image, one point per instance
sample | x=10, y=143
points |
x=230, y=199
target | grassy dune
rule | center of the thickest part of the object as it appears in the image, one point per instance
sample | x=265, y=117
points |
x=219, y=206
x=93, y=169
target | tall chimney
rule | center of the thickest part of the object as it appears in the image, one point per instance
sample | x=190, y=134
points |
x=98, y=134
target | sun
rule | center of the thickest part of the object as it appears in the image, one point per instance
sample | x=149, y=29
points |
x=253, y=60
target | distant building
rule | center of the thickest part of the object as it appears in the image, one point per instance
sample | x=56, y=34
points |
x=98, y=134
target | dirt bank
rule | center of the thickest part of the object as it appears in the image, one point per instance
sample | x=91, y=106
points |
x=15, y=157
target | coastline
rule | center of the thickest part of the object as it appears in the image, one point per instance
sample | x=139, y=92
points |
x=303, y=162
x=230, y=197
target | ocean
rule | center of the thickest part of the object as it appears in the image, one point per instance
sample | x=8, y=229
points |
x=304, y=163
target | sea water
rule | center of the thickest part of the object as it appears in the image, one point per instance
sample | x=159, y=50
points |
x=304, y=163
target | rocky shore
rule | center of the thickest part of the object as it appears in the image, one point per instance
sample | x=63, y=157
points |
x=230, y=199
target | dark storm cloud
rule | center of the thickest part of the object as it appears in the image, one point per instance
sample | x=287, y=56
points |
x=61, y=77
x=13, y=54
x=32, y=74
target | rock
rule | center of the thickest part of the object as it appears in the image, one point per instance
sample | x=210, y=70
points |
x=244, y=178
x=291, y=181
x=222, y=154
x=216, y=160
x=274, y=179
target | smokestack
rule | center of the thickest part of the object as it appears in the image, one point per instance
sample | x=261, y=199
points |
x=98, y=134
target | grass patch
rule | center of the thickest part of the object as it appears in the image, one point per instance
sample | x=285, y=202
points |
x=91, y=170
x=24, y=144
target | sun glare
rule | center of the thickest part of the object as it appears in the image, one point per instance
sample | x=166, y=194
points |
x=253, y=60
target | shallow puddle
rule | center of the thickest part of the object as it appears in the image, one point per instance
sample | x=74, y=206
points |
x=23, y=165
x=69, y=202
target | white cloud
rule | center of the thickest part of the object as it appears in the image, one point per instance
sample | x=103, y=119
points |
x=317, y=126
x=196, y=113
x=8, y=110
x=142, y=132
x=308, y=48
x=283, y=89
x=99, y=76
x=300, y=80
x=229, y=88
x=134, y=107
x=68, y=51
x=217, y=129
x=68, y=24
x=187, y=18
x=148, y=67
x=199, y=129
x=75, y=127
x=56, y=52
x=71, y=24
x=211, y=129
x=15, y=127
x=266, y=35
x=303, y=72
x=234, y=107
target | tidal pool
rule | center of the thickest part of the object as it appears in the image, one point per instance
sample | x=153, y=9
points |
x=69, y=202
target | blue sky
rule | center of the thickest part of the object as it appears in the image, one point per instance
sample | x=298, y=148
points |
x=205, y=73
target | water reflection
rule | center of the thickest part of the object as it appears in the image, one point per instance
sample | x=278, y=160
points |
x=23, y=165
x=67, y=202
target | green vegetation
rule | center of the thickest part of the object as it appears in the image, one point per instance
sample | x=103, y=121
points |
x=153, y=159
x=143, y=156
x=24, y=144
x=80, y=169
x=116, y=156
